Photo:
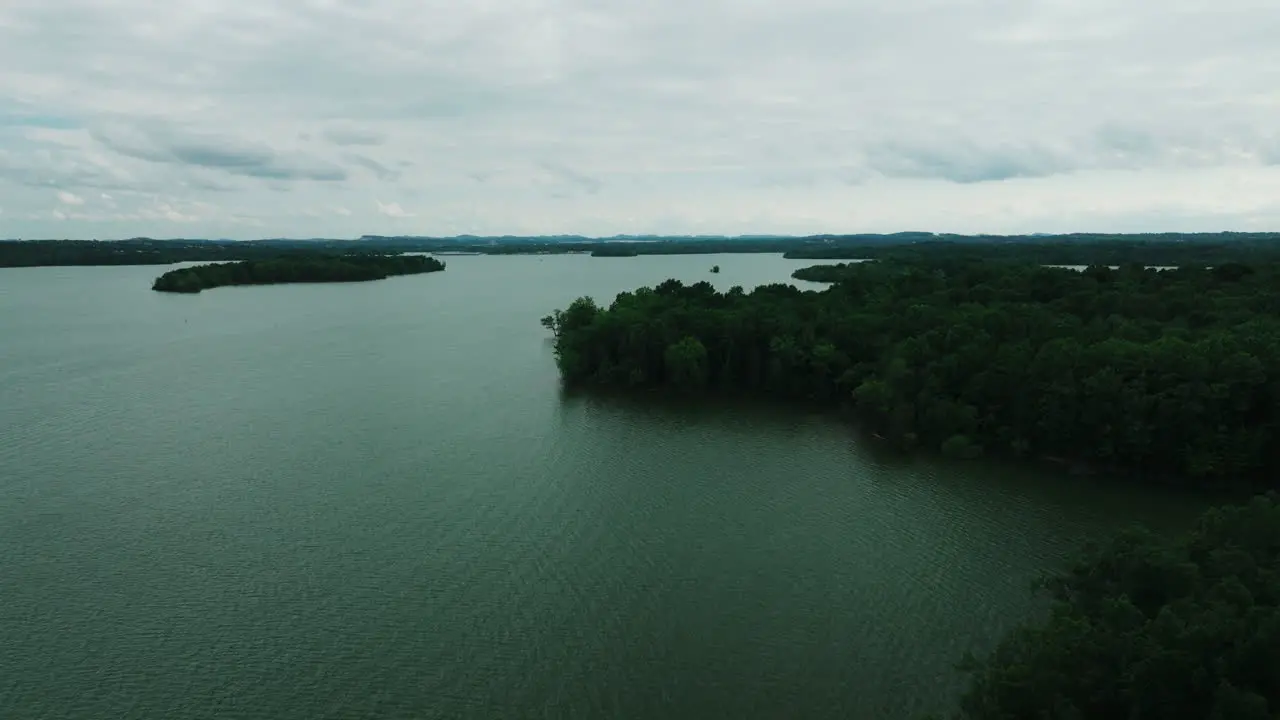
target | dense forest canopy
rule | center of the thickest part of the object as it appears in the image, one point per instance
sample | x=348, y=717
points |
x=1170, y=375
x=295, y=269
x=1150, y=627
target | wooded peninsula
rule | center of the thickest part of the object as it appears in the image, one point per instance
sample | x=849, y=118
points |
x=1166, y=375
x=315, y=268
x=1169, y=375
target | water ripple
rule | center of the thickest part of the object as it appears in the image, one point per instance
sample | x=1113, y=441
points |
x=372, y=501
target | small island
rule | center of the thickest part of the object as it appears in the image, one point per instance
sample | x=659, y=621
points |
x=316, y=268
x=715, y=269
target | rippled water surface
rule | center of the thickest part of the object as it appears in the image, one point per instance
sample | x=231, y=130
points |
x=372, y=501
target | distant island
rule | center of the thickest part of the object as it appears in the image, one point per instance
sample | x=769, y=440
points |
x=295, y=269
x=1073, y=249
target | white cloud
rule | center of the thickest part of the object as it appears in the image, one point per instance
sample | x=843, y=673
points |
x=352, y=135
x=167, y=212
x=69, y=198
x=393, y=210
x=668, y=116
x=344, y=212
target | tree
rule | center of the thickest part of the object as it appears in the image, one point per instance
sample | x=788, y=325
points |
x=554, y=322
x=685, y=363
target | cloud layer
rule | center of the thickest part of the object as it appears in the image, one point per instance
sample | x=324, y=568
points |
x=328, y=118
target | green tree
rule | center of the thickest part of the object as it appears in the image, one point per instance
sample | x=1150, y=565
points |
x=685, y=363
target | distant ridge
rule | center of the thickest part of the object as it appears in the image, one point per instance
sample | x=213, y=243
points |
x=897, y=237
x=1076, y=248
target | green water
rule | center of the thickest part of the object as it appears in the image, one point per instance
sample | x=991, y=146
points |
x=372, y=501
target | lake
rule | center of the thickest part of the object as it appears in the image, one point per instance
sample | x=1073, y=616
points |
x=374, y=501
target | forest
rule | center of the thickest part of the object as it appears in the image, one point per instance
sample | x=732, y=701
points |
x=1168, y=376
x=313, y=268
x=1149, y=627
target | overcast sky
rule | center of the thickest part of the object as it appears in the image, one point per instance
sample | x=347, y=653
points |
x=336, y=118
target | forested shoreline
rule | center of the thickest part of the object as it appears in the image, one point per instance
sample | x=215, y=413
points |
x=295, y=269
x=1166, y=250
x=1076, y=249
x=145, y=251
x=1164, y=375
x=1161, y=374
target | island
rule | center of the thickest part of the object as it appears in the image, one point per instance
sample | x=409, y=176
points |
x=1167, y=375
x=715, y=269
x=314, y=268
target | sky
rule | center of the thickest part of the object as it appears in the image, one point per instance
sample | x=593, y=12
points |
x=338, y=118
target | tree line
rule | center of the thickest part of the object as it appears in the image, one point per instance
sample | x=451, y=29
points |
x=146, y=251
x=1079, y=249
x=1083, y=249
x=1168, y=375
x=312, y=268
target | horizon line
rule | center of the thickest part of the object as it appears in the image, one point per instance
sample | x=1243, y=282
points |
x=653, y=236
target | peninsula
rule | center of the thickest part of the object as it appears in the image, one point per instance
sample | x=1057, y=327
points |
x=316, y=268
x=1166, y=375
